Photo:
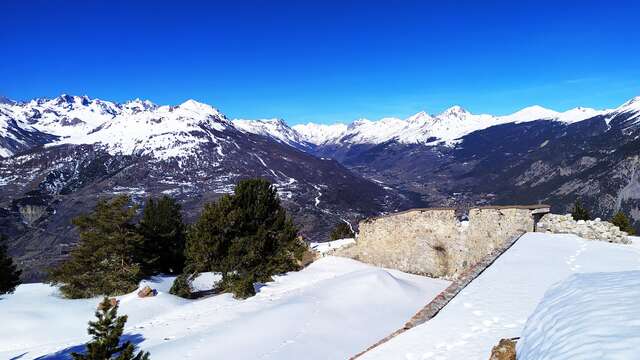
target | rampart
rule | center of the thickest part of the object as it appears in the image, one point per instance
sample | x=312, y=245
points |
x=434, y=242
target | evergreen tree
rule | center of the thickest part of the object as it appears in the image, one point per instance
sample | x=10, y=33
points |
x=106, y=333
x=9, y=274
x=104, y=261
x=247, y=236
x=342, y=230
x=622, y=221
x=162, y=229
x=579, y=212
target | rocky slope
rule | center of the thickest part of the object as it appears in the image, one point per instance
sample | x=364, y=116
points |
x=534, y=155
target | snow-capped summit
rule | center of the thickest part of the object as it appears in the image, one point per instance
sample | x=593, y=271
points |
x=631, y=106
x=196, y=107
x=578, y=114
x=535, y=112
x=455, y=111
x=136, y=126
x=276, y=129
x=319, y=133
x=138, y=105
x=419, y=117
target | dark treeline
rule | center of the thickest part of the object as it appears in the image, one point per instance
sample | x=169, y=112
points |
x=246, y=236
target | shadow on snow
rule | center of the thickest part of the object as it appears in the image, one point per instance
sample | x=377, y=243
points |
x=65, y=354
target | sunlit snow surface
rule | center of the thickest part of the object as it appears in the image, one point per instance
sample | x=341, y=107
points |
x=497, y=304
x=587, y=316
x=332, y=309
x=325, y=247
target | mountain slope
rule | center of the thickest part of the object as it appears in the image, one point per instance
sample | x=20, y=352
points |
x=97, y=149
x=423, y=128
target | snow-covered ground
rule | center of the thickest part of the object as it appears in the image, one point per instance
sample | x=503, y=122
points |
x=587, y=316
x=497, y=304
x=332, y=309
x=324, y=247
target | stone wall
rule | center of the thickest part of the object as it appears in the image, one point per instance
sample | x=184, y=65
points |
x=433, y=242
x=590, y=229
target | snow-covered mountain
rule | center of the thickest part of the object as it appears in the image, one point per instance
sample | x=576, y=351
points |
x=59, y=156
x=275, y=129
x=423, y=128
x=135, y=127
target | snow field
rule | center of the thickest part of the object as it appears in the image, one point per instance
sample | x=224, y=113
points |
x=587, y=316
x=330, y=310
x=497, y=304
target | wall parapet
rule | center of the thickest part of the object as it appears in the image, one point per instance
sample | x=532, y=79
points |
x=589, y=229
x=434, y=242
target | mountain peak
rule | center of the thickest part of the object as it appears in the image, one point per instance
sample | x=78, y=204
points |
x=138, y=104
x=455, y=111
x=198, y=107
x=534, y=112
x=419, y=117
x=632, y=104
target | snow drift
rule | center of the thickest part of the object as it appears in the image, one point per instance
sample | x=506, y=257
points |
x=587, y=316
x=497, y=304
x=332, y=309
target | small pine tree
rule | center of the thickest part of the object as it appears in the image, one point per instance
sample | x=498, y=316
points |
x=342, y=230
x=104, y=261
x=247, y=236
x=106, y=333
x=622, y=221
x=182, y=286
x=163, y=235
x=9, y=274
x=578, y=212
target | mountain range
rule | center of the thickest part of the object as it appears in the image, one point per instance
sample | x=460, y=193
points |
x=59, y=156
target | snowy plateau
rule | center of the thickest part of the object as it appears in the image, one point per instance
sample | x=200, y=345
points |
x=338, y=307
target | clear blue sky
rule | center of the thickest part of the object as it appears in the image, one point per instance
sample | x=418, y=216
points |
x=325, y=61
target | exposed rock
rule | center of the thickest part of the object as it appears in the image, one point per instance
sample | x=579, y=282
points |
x=146, y=291
x=590, y=229
x=505, y=350
x=112, y=301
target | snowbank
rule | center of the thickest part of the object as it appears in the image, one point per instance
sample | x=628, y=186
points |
x=330, y=310
x=587, y=316
x=324, y=247
x=497, y=304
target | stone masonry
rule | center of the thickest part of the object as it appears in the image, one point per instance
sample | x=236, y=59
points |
x=434, y=242
x=590, y=229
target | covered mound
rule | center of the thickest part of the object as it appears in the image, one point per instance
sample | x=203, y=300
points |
x=587, y=316
x=330, y=310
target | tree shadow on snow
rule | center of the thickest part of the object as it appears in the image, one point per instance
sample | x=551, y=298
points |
x=65, y=354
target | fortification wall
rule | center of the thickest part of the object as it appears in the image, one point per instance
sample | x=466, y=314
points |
x=433, y=242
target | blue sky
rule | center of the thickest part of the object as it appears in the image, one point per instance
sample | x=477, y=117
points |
x=325, y=61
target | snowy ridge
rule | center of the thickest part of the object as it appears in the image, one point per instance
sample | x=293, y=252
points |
x=141, y=127
x=319, y=133
x=276, y=129
x=135, y=127
x=445, y=127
